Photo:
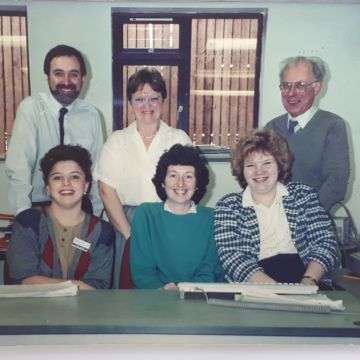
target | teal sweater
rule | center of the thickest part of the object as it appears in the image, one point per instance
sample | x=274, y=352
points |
x=171, y=248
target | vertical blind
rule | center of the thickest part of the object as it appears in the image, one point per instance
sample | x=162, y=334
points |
x=14, y=80
x=222, y=79
x=223, y=75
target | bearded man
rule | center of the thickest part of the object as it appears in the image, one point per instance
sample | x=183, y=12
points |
x=45, y=120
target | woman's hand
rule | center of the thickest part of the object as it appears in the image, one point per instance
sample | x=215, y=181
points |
x=314, y=272
x=261, y=277
x=170, y=286
x=39, y=279
x=308, y=281
x=114, y=209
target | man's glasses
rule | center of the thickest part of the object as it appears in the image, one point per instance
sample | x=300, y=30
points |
x=299, y=86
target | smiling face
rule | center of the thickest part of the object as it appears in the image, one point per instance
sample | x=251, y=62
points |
x=65, y=79
x=261, y=173
x=180, y=186
x=66, y=184
x=147, y=105
x=295, y=102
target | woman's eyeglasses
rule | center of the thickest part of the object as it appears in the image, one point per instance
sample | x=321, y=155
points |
x=151, y=100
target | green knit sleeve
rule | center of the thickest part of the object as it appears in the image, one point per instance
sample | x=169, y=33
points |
x=142, y=260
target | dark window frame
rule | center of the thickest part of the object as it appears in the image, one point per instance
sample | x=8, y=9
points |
x=179, y=57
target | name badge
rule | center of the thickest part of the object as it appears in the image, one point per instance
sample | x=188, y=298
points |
x=81, y=244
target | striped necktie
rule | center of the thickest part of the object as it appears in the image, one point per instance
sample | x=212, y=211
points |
x=62, y=113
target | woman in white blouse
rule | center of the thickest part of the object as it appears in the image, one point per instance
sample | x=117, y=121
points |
x=129, y=157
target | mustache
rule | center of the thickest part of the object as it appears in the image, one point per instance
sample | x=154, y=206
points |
x=67, y=87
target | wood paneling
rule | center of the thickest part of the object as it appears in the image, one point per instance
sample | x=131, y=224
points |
x=2, y=96
x=13, y=72
x=222, y=79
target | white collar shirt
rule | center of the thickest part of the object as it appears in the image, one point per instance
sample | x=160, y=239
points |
x=35, y=132
x=54, y=105
x=304, y=118
x=191, y=210
x=275, y=236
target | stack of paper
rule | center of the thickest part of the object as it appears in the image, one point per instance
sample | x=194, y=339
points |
x=309, y=300
x=244, y=287
x=66, y=288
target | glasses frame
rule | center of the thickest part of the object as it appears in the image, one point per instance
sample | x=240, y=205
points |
x=139, y=101
x=292, y=86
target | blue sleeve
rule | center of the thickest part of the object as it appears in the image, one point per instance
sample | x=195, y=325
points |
x=99, y=273
x=23, y=255
x=236, y=242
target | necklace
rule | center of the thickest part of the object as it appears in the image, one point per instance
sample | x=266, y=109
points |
x=148, y=137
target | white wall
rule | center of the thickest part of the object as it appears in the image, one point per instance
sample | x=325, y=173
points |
x=330, y=31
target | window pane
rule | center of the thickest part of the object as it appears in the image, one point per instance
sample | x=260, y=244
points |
x=151, y=36
x=14, y=85
x=223, y=58
x=170, y=109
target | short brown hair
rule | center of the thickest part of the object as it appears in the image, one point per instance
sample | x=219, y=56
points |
x=267, y=141
x=144, y=76
x=182, y=155
x=67, y=153
x=64, y=50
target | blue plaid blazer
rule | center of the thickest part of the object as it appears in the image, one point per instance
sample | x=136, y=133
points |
x=237, y=232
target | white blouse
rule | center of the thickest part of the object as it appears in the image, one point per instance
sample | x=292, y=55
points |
x=127, y=166
x=275, y=236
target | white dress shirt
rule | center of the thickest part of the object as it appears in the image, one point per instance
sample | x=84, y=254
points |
x=35, y=132
x=304, y=118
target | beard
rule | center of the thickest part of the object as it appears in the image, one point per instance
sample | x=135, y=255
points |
x=65, y=98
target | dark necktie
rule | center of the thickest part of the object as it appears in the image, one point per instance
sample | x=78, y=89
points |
x=62, y=113
x=292, y=125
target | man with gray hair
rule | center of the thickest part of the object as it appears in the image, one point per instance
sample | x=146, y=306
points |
x=317, y=138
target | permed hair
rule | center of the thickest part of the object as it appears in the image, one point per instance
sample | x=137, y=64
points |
x=144, y=76
x=64, y=153
x=182, y=155
x=317, y=65
x=266, y=141
x=63, y=50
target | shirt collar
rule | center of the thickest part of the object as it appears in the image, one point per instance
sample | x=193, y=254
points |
x=56, y=105
x=304, y=118
x=192, y=208
x=247, y=199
